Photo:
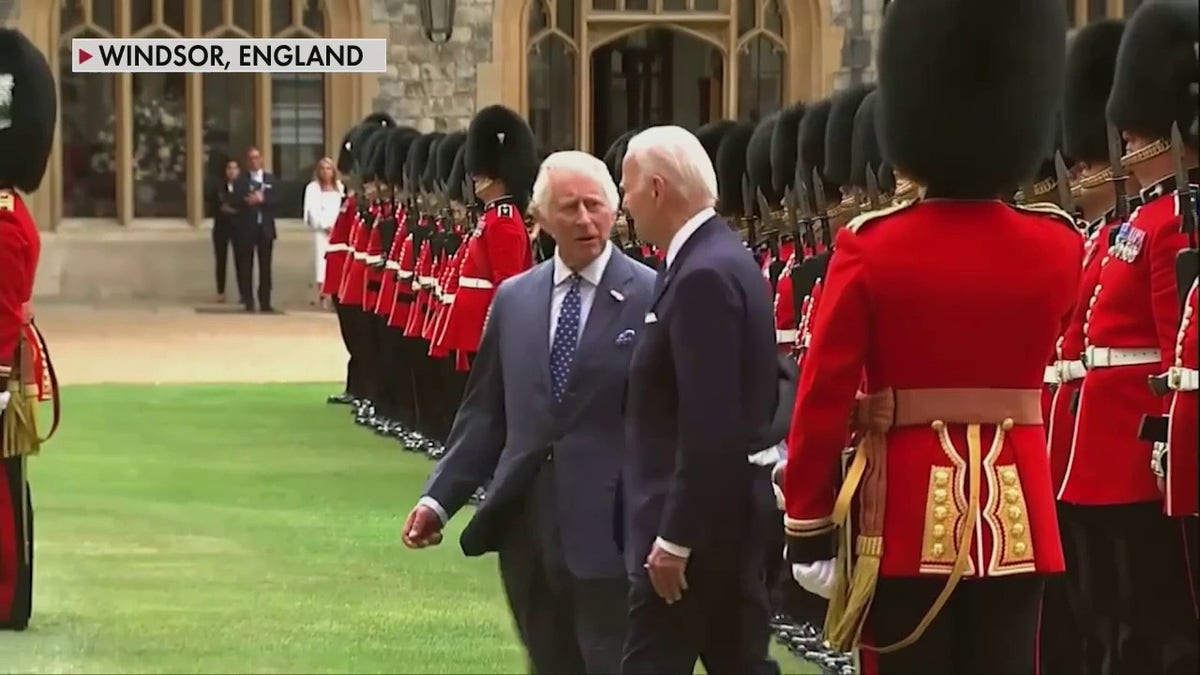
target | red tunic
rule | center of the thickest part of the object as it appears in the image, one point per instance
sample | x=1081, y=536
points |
x=436, y=271
x=926, y=297
x=785, y=310
x=405, y=266
x=1134, y=306
x=20, y=249
x=449, y=281
x=351, y=291
x=1067, y=368
x=422, y=284
x=391, y=265
x=497, y=249
x=339, y=247
x=373, y=276
x=1182, y=442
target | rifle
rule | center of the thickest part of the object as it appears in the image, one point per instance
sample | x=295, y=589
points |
x=1187, y=262
x=748, y=211
x=822, y=209
x=1119, y=175
x=765, y=215
x=1062, y=181
x=873, y=199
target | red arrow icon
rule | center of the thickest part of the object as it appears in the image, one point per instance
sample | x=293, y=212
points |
x=84, y=57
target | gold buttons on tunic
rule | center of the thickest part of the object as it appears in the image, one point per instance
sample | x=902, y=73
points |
x=1014, y=512
x=939, y=512
x=1020, y=548
x=1009, y=477
x=939, y=531
x=1011, y=496
x=1018, y=529
x=939, y=495
x=941, y=477
x=938, y=550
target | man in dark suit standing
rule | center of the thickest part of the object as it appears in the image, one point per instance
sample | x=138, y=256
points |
x=702, y=389
x=541, y=415
x=254, y=193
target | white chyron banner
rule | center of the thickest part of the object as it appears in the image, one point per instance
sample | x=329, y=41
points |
x=182, y=55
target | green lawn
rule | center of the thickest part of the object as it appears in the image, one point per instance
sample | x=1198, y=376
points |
x=244, y=529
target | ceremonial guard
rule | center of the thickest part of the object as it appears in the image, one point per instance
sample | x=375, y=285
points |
x=1080, y=636
x=335, y=260
x=784, y=154
x=1129, y=336
x=502, y=163
x=28, y=116
x=948, y=309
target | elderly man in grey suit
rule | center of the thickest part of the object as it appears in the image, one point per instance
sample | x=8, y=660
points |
x=542, y=417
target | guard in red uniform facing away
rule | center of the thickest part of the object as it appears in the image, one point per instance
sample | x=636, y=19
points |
x=27, y=122
x=501, y=159
x=335, y=263
x=1129, y=336
x=1078, y=634
x=944, y=523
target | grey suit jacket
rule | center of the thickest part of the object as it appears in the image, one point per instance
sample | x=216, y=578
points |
x=509, y=423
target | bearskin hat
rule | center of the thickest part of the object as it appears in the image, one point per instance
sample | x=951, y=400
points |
x=614, y=158
x=969, y=90
x=712, y=134
x=731, y=166
x=458, y=175
x=372, y=156
x=429, y=172
x=447, y=150
x=785, y=147
x=758, y=160
x=414, y=166
x=370, y=125
x=1156, y=66
x=399, y=140
x=32, y=112
x=839, y=132
x=865, y=152
x=500, y=145
x=1091, y=64
x=812, y=148
x=345, y=156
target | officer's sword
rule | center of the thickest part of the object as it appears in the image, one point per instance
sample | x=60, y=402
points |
x=1119, y=175
x=872, y=188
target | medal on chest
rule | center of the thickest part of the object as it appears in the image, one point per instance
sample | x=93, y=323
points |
x=1128, y=243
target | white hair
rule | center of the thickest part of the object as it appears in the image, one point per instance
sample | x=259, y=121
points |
x=675, y=154
x=580, y=164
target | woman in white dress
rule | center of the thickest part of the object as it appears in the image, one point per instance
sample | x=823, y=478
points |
x=322, y=201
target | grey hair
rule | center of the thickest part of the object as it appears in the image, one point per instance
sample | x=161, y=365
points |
x=578, y=163
x=675, y=154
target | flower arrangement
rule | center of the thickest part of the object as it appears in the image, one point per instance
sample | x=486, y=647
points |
x=160, y=142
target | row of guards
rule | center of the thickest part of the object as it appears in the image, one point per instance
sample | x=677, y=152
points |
x=440, y=221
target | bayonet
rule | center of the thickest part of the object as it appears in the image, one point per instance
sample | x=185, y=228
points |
x=792, y=209
x=748, y=208
x=822, y=208
x=805, y=212
x=1062, y=181
x=1187, y=262
x=1119, y=175
x=872, y=188
x=764, y=211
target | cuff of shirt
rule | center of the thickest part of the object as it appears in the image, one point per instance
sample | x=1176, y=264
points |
x=674, y=549
x=433, y=504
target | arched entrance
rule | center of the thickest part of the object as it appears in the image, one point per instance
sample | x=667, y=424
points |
x=654, y=76
x=561, y=62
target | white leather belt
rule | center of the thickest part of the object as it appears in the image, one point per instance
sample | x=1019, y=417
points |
x=335, y=248
x=359, y=255
x=1115, y=357
x=785, y=336
x=373, y=259
x=447, y=298
x=1064, y=371
x=427, y=282
x=392, y=265
x=471, y=282
x=1183, y=379
x=403, y=274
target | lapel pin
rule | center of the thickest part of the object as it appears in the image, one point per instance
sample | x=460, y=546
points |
x=617, y=295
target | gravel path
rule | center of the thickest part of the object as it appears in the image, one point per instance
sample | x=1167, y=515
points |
x=174, y=345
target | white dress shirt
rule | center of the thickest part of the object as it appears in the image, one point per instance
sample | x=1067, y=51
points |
x=592, y=274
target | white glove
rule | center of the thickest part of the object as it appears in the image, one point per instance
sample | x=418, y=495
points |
x=777, y=483
x=4, y=396
x=816, y=577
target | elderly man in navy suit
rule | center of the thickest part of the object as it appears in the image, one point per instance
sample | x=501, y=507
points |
x=542, y=414
x=702, y=390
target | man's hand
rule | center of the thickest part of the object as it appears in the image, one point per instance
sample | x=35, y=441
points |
x=816, y=578
x=666, y=574
x=423, y=528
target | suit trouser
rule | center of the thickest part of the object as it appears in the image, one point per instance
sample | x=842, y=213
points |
x=988, y=627
x=253, y=243
x=567, y=624
x=1138, y=563
x=222, y=239
x=723, y=618
x=16, y=545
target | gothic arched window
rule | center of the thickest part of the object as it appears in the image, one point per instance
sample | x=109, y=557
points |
x=552, y=59
x=761, y=58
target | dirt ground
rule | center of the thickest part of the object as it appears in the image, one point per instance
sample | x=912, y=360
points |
x=100, y=345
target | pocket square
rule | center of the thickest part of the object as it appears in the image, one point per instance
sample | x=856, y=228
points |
x=651, y=318
x=626, y=337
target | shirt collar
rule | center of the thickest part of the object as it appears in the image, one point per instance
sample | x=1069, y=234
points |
x=689, y=228
x=591, y=274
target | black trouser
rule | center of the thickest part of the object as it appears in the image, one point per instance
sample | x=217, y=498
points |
x=356, y=329
x=255, y=242
x=723, y=618
x=1133, y=573
x=223, y=243
x=425, y=381
x=346, y=327
x=1071, y=626
x=454, y=382
x=988, y=627
x=567, y=624
x=16, y=545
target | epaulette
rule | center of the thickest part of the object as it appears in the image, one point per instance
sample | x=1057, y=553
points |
x=859, y=221
x=7, y=203
x=1052, y=210
x=505, y=210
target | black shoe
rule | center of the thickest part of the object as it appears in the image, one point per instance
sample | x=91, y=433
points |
x=340, y=399
x=250, y=308
x=266, y=309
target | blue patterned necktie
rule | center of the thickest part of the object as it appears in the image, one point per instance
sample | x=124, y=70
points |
x=566, y=338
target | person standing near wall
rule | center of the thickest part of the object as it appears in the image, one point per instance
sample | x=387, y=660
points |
x=224, y=212
x=322, y=203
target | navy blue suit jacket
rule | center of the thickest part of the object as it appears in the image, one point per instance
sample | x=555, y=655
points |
x=249, y=216
x=703, y=385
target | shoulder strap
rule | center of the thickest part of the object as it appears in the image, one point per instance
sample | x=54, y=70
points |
x=1051, y=210
x=861, y=220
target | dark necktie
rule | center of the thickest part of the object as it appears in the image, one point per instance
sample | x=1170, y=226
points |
x=566, y=339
